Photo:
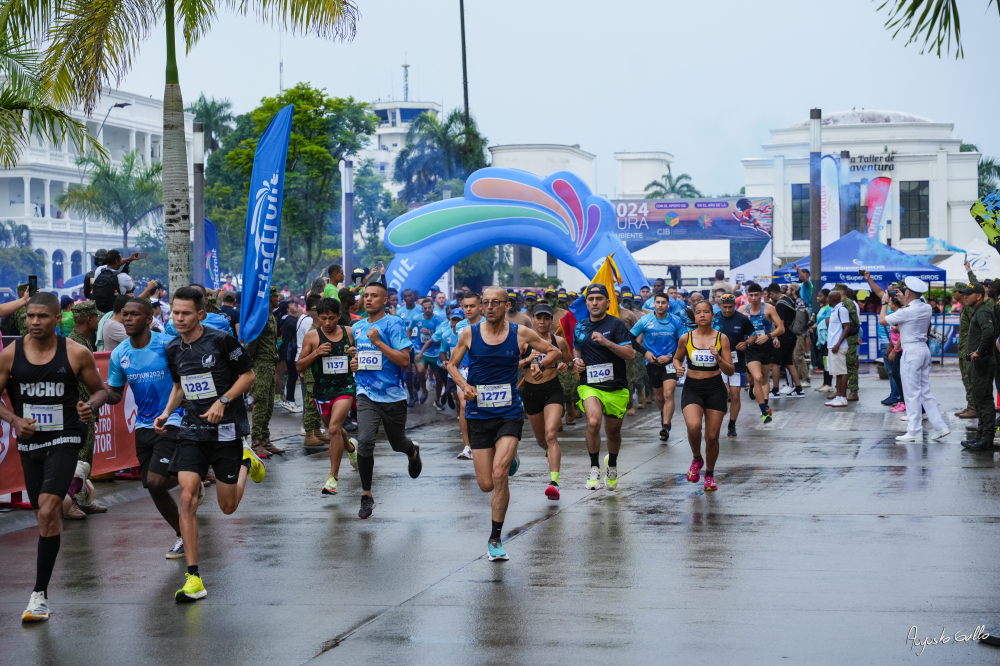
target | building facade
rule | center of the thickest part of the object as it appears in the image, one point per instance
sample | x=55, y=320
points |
x=122, y=122
x=395, y=119
x=933, y=184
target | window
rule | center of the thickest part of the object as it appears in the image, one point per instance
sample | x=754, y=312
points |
x=381, y=168
x=800, y=212
x=689, y=282
x=409, y=115
x=551, y=266
x=853, y=216
x=914, y=209
x=76, y=262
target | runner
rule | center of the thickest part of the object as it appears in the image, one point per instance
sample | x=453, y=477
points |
x=211, y=371
x=601, y=348
x=737, y=327
x=326, y=350
x=658, y=333
x=422, y=329
x=40, y=372
x=543, y=397
x=493, y=404
x=408, y=312
x=472, y=306
x=767, y=326
x=383, y=354
x=447, y=337
x=141, y=362
x=704, y=394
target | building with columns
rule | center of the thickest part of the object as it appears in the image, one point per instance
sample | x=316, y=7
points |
x=122, y=122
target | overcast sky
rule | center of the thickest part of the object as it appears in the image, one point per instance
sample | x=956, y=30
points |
x=704, y=81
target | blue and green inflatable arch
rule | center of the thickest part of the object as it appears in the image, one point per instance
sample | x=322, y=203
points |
x=559, y=215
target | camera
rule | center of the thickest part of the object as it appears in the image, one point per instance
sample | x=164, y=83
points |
x=861, y=272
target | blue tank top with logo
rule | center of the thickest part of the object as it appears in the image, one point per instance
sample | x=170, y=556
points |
x=760, y=321
x=493, y=371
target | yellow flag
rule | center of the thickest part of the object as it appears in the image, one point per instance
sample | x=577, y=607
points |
x=609, y=276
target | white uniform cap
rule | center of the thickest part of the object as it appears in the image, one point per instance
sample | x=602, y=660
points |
x=916, y=285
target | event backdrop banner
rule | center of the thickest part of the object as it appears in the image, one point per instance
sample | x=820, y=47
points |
x=212, y=278
x=267, y=191
x=744, y=221
x=114, y=444
x=558, y=214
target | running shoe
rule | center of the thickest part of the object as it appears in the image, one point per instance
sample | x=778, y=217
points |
x=367, y=504
x=496, y=551
x=86, y=493
x=785, y=390
x=177, y=552
x=907, y=437
x=664, y=434
x=694, y=471
x=201, y=494
x=352, y=456
x=890, y=401
x=710, y=484
x=514, y=464
x=423, y=396
x=940, y=434
x=412, y=402
x=899, y=408
x=193, y=589
x=466, y=453
x=351, y=425
x=414, y=465
x=438, y=406
x=766, y=417
x=594, y=478
x=256, y=464
x=38, y=608
x=775, y=394
x=610, y=475
x=732, y=430
x=330, y=487
x=552, y=492
x=451, y=401
x=796, y=393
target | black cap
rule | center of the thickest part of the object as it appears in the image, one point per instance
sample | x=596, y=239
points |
x=540, y=309
x=596, y=288
x=974, y=289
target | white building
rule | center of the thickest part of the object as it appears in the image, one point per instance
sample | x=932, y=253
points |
x=933, y=183
x=28, y=192
x=637, y=170
x=394, y=122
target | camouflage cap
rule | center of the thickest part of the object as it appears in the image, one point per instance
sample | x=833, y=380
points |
x=839, y=286
x=85, y=309
x=212, y=301
x=959, y=286
x=274, y=290
x=22, y=287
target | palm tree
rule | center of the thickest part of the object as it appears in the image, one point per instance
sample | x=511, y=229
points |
x=22, y=90
x=13, y=234
x=217, y=116
x=91, y=43
x=989, y=175
x=436, y=151
x=932, y=20
x=123, y=196
x=672, y=188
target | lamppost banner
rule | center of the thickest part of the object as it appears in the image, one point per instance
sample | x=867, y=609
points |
x=267, y=188
x=212, y=278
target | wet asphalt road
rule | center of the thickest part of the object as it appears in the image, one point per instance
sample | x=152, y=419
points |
x=825, y=543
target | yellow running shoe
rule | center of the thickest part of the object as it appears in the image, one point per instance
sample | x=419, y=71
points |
x=330, y=487
x=353, y=455
x=256, y=465
x=192, y=591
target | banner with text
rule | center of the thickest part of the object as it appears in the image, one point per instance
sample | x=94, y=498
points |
x=212, y=278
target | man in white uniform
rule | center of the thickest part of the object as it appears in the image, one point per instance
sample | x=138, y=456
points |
x=915, y=365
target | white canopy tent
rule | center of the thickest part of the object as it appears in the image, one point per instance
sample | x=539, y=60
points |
x=984, y=259
x=684, y=253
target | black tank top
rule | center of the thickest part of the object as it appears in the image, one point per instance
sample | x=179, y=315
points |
x=47, y=393
x=328, y=383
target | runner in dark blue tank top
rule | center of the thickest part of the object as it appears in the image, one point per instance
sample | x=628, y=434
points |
x=492, y=402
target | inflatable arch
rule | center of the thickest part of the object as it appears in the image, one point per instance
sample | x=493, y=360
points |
x=559, y=215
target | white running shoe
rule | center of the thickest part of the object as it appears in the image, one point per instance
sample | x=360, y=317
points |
x=38, y=608
x=177, y=552
x=839, y=401
x=785, y=390
x=907, y=437
x=594, y=479
x=86, y=493
x=939, y=434
x=466, y=453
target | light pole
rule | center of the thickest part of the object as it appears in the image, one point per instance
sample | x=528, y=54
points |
x=199, y=203
x=119, y=105
x=465, y=72
x=347, y=240
x=815, y=219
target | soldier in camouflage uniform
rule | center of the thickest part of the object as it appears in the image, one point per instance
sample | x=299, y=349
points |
x=852, y=342
x=963, y=347
x=85, y=318
x=311, y=422
x=264, y=354
x=21, y=316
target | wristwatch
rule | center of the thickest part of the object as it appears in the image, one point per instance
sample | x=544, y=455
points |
x=224, y=400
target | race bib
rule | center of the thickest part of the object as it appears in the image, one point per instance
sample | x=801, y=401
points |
x=335, y=365
x=702, y=357
x=670, y=369
x=227, y=432
x=198, y=387
x=424, y=337
x=602, y=372
x=493, y=395
x=736, y=357
x=47, y=417
x=760, y=332
x=370, y=360
x=464, y=372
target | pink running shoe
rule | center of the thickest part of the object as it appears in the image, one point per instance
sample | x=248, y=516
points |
x=694, y=472
x=900, y=407
x=710, y=484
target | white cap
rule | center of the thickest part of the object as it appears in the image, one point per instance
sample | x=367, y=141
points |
x=916, y=285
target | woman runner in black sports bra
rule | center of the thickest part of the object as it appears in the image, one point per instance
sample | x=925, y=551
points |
x=704, y=396
x=328, y=350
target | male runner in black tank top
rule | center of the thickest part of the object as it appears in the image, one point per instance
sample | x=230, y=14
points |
x=40, y=374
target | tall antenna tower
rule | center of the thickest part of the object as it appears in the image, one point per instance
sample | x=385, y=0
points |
x=406, y=82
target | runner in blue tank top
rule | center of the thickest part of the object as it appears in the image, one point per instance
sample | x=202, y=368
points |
x=492, y=402
x=767, y=327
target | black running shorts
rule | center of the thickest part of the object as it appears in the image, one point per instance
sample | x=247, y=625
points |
x=710, y=393
x=536, y=397
x=760, y=353
x=785, y=354
x=658, y=374
x=484, y=433
x=155, y=451
x=49, y=470
x=225, y=459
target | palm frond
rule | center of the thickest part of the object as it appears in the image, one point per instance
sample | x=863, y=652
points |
x=932, y=21
x=330, y=19
x=20, y=63
x=196, y=17
x=20, y=118
x=28, y=18
x=92, y=44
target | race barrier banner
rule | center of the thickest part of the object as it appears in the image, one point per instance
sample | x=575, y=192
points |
x=114, y=444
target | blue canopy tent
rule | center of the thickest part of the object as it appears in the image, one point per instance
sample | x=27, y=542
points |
x=843, y=258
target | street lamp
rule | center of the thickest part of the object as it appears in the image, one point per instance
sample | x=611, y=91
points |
x=199, y=204
x=119, y=105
